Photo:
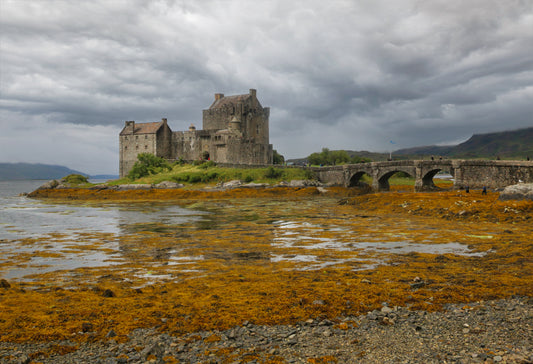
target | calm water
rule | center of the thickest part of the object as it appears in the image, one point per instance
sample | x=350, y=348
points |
x=40, y=236
x=29, y=225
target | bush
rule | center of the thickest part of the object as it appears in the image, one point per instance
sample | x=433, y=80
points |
x=248, y=179
x=75, y=179
x=195, y=178
x=207, y=165
x=273, y=173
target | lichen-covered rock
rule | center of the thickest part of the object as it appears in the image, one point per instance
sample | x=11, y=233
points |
x=168, y=184
x=521, y=191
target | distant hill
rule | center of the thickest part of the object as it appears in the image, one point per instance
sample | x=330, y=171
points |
x=19, y=171
x=515, y=144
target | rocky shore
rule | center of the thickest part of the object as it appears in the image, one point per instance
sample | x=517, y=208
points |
x=484, y=332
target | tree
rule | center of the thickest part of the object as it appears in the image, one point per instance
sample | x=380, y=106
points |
x=277, y=158
x=147, y=164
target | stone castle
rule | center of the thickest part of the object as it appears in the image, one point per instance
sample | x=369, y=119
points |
x=235, y=131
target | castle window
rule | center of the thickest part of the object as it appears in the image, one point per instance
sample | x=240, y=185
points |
x=126, y=147
x=145, y=136
x=136, y=137
x=145, y=147
x=137, y=147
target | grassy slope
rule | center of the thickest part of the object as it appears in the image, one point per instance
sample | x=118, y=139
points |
x=207, y=175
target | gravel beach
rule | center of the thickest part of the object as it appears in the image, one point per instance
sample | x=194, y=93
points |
x=483, y=332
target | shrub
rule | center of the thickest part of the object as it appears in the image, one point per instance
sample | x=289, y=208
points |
x=195, y=177
x=75, y=179
x=207, y=164
x=273, y=173
x=248, y=179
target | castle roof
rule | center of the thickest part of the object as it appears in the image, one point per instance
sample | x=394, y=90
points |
x=231, y=101
x=142, y=128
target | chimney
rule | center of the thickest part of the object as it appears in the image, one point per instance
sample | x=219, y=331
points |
x=192, y=127
x=164, y=120
x=218, y=96
x=253, y=92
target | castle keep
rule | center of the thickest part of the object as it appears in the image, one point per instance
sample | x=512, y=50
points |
x=235, y=130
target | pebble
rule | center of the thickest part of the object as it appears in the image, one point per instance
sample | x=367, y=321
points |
x=388, y=335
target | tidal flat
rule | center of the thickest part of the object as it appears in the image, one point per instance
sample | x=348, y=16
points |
x=213, y=260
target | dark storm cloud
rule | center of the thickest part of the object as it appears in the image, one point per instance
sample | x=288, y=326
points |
x=339, y=74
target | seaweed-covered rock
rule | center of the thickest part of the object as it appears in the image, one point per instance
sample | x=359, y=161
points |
x=521, y=191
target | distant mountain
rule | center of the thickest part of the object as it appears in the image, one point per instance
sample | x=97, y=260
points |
x=18, y=171
x=515, y=144
x=105, y=176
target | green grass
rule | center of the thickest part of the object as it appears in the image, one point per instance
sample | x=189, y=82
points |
x=209, y=174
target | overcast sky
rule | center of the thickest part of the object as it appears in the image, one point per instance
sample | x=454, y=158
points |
x=350, y=75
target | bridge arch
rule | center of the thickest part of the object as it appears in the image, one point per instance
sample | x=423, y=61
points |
x=382, y=182
x=355, y=179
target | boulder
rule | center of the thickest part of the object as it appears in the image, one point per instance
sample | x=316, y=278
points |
x=521, y=191
x=167, y=185
x=49, y=185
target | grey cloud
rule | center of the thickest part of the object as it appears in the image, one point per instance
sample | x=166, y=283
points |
x=341, y=74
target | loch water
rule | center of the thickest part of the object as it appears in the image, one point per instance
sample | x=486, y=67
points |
x=162, y=240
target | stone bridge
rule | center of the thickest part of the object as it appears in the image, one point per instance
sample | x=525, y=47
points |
x=472, y=173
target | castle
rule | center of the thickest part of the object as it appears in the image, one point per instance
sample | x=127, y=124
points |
x=235, y=131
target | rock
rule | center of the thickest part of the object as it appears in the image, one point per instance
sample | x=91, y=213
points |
x=521, y=191
x=168, y=185
x=255, y=185
x=111, y=333
x=232, y=184
x=303, y=183
x=319, y=302
x=108, y=293
x=127, y=187
x=386, y=309
x=4, y=284
x=99, y=187
x=417, y=285
x=49, y=185
x=86, y=327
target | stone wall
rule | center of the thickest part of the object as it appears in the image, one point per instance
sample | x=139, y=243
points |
x=492, y=174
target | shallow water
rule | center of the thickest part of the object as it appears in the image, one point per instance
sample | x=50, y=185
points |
x=160, y=240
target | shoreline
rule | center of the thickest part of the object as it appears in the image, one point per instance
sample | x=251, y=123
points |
x=479, y=332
